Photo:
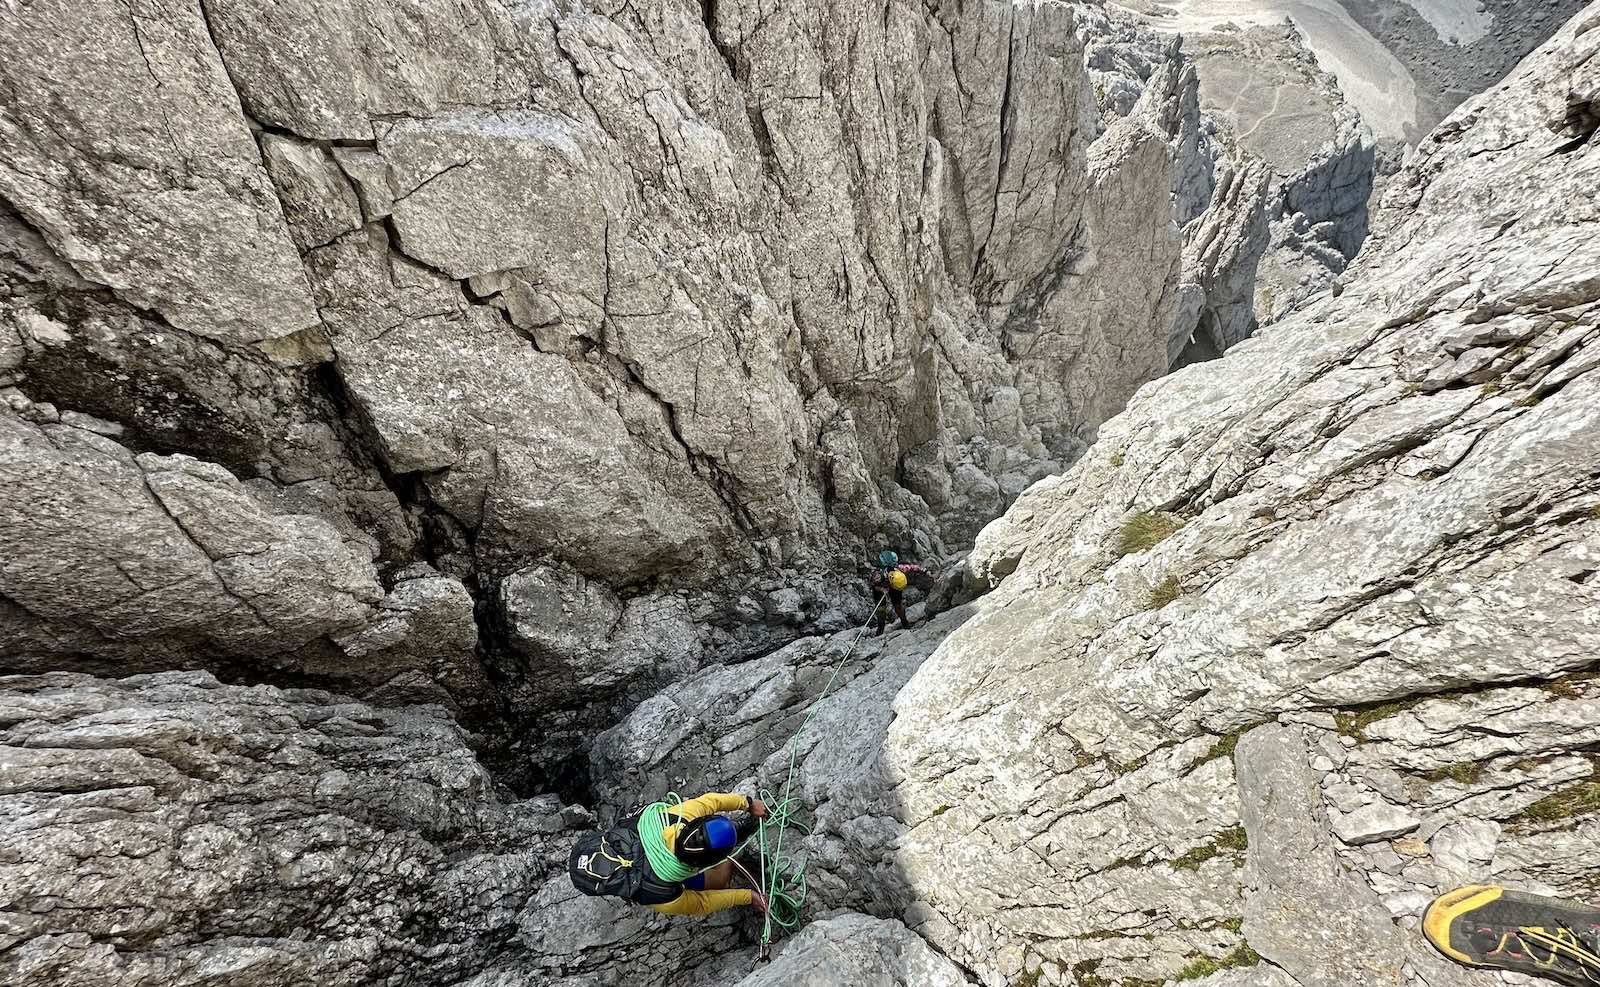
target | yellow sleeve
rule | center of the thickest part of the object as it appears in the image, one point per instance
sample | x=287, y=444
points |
x=705, y=902
x=708, y=803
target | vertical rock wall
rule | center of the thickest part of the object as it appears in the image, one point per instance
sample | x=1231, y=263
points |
x=691, y=303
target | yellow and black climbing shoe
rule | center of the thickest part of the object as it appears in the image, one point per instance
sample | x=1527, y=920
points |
x=1486, y=925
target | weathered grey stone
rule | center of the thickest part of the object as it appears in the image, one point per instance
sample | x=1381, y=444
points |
x=177, y=827
x=1304, y=571
x=174, y=562
x=1222, y=249
x=1374, y=822
x=856, y=949
x=665, y=297
x=656, y=321
x=317, y=198
x=1264, y=86
x=422, y=644
x=163, y=547
x=331, y=72
x=483, y=192
x=581, y=642
x=369, y=173
x=1320, y=923
x=1466, y=848
x=587, y=204
x=125, y=148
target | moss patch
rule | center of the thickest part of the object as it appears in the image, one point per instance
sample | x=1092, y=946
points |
x=1354, y=723
x=1463, y=773
x=1165, y=592
x=1231, y=840
x=1234, y=838
x=1083, y=974
x=1225, y=744
x=1566, y=803
x=1194, y=858
x=1116, y=459
x=1122, y=862
x=1205, y=966
x=1570, y=686
x=1146, y=530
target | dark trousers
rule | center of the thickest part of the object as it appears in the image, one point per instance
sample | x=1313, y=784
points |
x=897, y=600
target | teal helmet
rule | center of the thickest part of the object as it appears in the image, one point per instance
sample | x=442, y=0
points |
x=887, y=559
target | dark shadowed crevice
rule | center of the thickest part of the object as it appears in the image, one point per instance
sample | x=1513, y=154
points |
x=1582, y=121
x=438, y=533
x=1007, y=132
x=729, y=53
x=1202, y=346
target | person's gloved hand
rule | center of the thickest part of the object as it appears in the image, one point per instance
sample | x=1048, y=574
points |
x=758, y=808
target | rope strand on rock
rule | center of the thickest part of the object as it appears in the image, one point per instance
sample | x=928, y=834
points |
x=783, y=879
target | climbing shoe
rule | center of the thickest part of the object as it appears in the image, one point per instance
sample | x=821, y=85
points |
x=1487, y=926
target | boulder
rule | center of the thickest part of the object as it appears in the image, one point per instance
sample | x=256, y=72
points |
x=281, y=836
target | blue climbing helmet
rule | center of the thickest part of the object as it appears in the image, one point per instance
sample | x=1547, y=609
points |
x=887, y=559
x=706, y=841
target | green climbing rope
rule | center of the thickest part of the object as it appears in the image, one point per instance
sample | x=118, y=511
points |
x=785, y=888
x=783, y=878
x=652, y=821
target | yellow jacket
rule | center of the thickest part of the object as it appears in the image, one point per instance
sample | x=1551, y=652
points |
x=703, y=902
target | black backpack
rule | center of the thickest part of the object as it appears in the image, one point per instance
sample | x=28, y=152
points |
x=614, y=863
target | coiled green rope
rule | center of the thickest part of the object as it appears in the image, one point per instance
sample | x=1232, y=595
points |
x=652, y=822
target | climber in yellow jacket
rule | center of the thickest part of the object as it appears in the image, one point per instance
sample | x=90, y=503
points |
x=704, y=835
x=676, y=859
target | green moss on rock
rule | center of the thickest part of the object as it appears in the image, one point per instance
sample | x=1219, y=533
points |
x=1231, y=840
x=1462, y=773
x=1205, y=966
x=1354, y=723
x=1566, y=803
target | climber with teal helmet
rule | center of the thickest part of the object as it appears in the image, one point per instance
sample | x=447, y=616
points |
x=888, y=581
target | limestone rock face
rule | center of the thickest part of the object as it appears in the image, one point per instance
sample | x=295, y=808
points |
x=124, y=147
x=580, y=641
x=1267, y=91
x=161, y=829
x=855, y=949
x=669, y=298
x=120, y=562
x=1388, y=496
x=549, y=368
x=1220, y=196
